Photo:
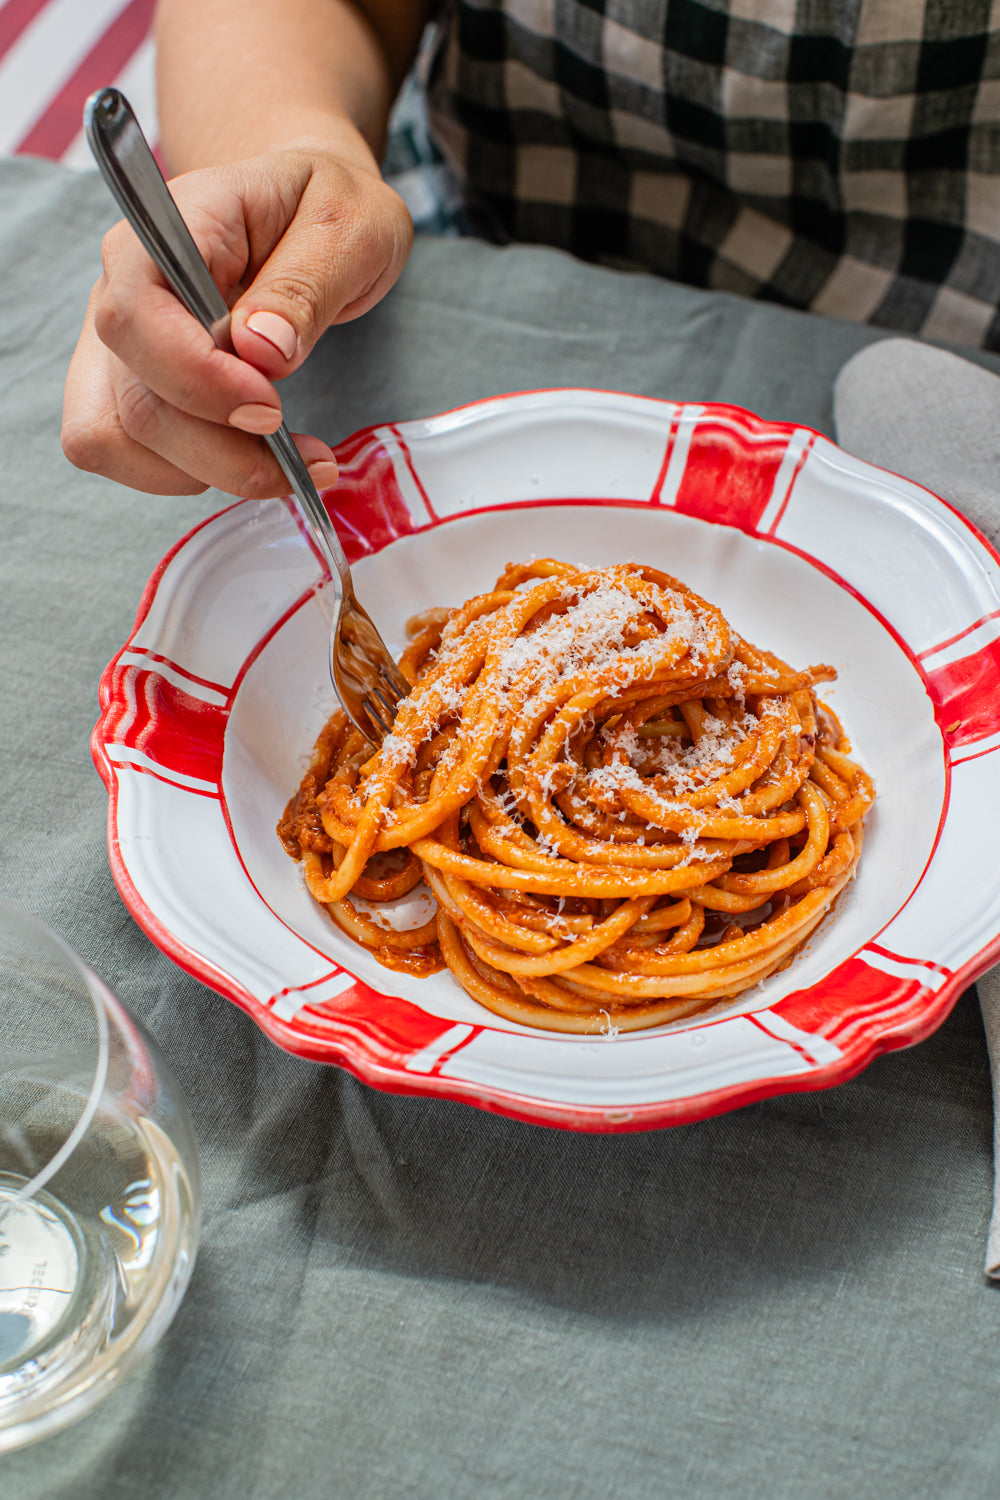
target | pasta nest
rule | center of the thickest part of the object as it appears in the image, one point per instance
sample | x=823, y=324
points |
x=623, y=811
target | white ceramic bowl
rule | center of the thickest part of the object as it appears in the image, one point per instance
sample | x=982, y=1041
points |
x=211, y=709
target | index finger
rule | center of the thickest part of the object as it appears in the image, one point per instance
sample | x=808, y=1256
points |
x=141, y=321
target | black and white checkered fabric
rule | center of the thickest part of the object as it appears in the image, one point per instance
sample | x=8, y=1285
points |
x=840, y=155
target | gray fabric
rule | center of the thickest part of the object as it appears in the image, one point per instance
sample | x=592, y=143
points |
x=404, y=1297
x=928, y=414
x=934, y=417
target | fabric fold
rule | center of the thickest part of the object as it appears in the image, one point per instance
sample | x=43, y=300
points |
x=935, y=418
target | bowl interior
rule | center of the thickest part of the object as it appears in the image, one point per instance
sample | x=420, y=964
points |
x=769, y=593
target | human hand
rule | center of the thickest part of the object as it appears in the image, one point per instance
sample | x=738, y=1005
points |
x=296, y=241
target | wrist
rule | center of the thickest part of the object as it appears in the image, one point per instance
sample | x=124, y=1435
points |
x=314, y=132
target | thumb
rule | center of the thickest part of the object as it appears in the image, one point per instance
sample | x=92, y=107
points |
x=332, y=263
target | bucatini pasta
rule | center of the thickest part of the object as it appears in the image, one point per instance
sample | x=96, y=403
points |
x=623, y=811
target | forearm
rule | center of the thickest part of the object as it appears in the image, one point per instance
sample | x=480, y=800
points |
x=239, y=78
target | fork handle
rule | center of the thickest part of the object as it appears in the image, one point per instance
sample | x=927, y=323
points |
x=138, y=187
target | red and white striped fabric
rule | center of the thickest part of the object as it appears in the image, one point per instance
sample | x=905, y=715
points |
x=212, y=704
x=54, y=54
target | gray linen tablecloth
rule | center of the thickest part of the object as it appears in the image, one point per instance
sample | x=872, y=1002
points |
x=406, y=1297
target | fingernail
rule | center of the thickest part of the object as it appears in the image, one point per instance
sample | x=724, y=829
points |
x=276, y=330
x=255, y=417
x=324, y=474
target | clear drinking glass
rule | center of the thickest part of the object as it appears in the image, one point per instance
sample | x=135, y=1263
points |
x=99, y=1186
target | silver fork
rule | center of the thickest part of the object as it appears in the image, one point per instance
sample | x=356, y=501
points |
x=367, y=680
